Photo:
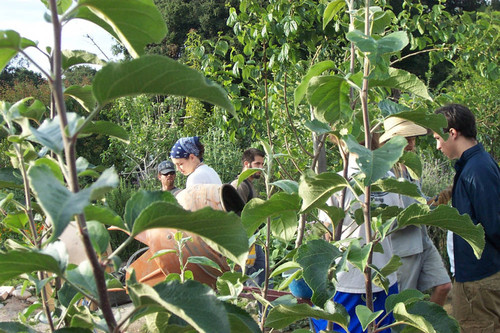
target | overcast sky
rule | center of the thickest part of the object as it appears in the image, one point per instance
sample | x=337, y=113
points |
x=26, y=17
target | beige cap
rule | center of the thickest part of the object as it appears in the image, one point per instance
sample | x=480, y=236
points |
x=398, y=126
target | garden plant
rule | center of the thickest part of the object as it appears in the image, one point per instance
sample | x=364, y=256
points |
x=344, y=98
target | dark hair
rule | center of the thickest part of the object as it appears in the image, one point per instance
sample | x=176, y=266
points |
x=202, y=150
x=250, y=153
x=460, y=118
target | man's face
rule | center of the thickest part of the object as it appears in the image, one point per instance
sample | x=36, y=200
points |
x=167, y=180
x=411, y=143
x=446, y=147
x=257, y=163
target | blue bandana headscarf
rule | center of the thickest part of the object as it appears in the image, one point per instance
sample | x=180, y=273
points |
x=185, y=146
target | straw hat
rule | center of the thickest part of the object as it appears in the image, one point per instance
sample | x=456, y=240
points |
x=398, y=126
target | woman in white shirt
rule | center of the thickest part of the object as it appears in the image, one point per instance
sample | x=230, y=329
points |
x=187, y=155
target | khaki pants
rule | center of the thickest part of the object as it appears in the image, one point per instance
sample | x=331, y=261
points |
x=476, y=305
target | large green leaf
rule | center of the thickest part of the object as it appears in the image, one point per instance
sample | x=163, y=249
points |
x=10, y=44
x=192, y=301
x=240, y=320
x=366, y=316
x=330, y=97
x=405, y=296
x=105, y=183
x=56, y=200
x=155, y=74
x=10, y=178
x=12, y=326
x=279, y=205
x=403, y=80
x=316, y=257
x=78, y=57
x=99, y=236
x=135, y=23
x=53, y=259
x=398, y=186
x=315, y=70
x=83, y=95
x=316, y=189
x=282, y=315
x=142, y=199
x=331, y=11
x=220, y=230
x=376, y=163
x=412, y=163
x=104, y=215
x=425, y=316
x=289, y=186
x=284, y=226
x=447, y=218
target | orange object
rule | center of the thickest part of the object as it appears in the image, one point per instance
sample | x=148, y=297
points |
x=220, y=197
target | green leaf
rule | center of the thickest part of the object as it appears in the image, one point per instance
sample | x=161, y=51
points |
x=78, y=57
x=376, y=163
x=15, y=263
x=106, y=128
x=105, y=183
x=203, y=311
x=10, y=44
x=316, y=189
x=16, y=220
x=315, y=70
x=83, y=95
x=412, y=163
x=99, y=236
x=402, y=187
x=49, y=133
x=366, y=316
x=289, y=265
x=447, y=218
x=358, y=255
x=10, y=178
x=284, y=226
x=330, y=97
x=203, y=261
x=221, y=231
x=403, y=80
x=239, y=320
x=282, y=315
x=83, y=276
x=425, y=317
x=154, y=74
x=142, y=199
x=56, y=200
x=331, y=11
x=245, y=174
x=103, y=215
x=12, y=326
x=53, y=165
x=318, y=127
x=135, y=23
x=405, y=296
x=257, y=210
x=316, y=258
x=289, y=186
x=389, y=108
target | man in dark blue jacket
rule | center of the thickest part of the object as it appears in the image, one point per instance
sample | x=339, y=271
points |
x=476, y=192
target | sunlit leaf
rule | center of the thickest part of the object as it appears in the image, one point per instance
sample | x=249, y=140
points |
x=447, y=218
x=135, y=23
x=78, y=57
x=10, y=44
x=366, y=316
x=83, y=95
x=426, y=317
x=404, y=81
x=316, y=189
x=329, y=95
x=315, y=70
x=155, y=74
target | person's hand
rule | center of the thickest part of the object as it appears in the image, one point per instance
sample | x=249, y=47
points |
x=442, y=198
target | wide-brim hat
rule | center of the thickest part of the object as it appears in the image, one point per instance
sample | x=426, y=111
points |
x=397, y=126
x=166, y=167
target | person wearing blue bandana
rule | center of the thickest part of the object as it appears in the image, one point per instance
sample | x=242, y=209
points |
x=187, y=155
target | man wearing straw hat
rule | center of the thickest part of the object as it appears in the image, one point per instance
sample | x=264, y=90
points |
x=422, y=267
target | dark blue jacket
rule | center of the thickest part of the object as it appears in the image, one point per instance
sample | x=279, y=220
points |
x=476, y=191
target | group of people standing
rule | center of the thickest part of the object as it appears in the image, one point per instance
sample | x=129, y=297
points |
x=475, y=191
